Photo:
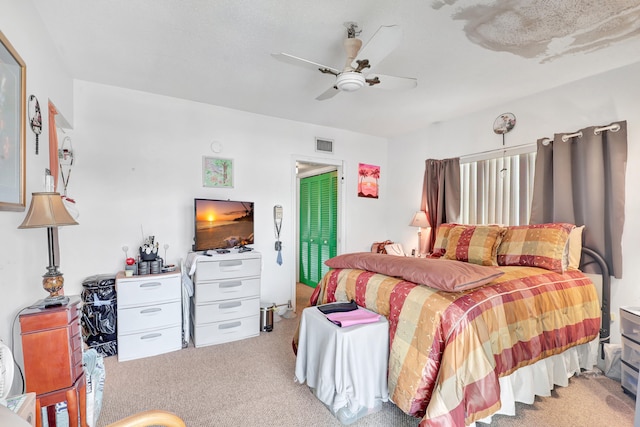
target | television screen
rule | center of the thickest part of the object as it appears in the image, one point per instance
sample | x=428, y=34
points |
x=222, y=224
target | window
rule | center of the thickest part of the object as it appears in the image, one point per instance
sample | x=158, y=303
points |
x=497, y=190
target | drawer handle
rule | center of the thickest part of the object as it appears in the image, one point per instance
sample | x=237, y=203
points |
x=235, y=284
x=230, y=265
x=230, y=325
x=150, y=310
x=151, y=336
x=150, y=285
x=228, y=305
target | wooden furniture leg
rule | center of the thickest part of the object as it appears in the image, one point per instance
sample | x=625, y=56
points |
x=72, y=406
x=38, y=413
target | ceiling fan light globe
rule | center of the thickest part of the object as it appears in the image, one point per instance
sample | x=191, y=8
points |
x=350, y=81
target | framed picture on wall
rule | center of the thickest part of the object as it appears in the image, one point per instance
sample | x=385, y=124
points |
x=368, y=176
x=217, y=172
x=13, y=72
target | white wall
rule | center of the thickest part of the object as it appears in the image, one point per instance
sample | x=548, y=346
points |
x=23, y=253
x=598, y=100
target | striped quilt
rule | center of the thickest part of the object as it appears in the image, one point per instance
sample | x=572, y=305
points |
x=448, y=349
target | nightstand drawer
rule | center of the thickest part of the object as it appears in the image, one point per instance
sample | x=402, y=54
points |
x=137, y=319
x=226, y=289
x=231, y=330
x=148, y=290
x=228, y=269
x=149, y=343
x=227, y=310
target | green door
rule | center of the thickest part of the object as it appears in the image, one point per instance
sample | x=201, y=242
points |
x=318, y=225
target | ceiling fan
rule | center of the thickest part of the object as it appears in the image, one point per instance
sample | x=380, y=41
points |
x=357, y=71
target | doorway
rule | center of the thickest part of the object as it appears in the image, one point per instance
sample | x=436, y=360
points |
x=317, y=225
x=317, y=254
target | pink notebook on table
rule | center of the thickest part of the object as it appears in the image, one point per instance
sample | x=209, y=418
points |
x=354, y=317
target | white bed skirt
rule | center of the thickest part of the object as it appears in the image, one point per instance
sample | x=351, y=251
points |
x=540, y=378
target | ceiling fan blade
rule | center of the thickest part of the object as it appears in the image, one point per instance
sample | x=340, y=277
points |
x=393, y=82
x=383, y=42
x=329, y=93
x=294, y=60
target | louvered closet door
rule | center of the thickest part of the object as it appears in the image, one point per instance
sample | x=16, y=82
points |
x=318, y=225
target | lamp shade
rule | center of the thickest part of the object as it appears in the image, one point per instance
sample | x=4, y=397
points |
x=419, y=220
x=47, y=210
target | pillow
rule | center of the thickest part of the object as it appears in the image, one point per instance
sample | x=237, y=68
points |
x=477, y=244
x=395, y=249
x=379, y=247
x=575, y=248
x=440, y=244
x=538, y=245
x=450, y=276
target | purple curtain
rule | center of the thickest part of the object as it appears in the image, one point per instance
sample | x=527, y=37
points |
x=440, y=195
x=581, y=180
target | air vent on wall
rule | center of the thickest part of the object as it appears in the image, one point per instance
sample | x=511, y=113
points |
x=324, y=145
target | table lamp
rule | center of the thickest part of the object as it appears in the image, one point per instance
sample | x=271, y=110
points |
x=47, y=210
x=419, y=220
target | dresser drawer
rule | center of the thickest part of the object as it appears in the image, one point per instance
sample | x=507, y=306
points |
x=226, y=289
x=137, y=319
x=226, y=310
x=227, y=269
x=221, y=332
x=631, y=352
x=150, y=343
x=629, y=379
x=148, y=290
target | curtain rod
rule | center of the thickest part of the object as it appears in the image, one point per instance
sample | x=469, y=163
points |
x=483, y=155
x=613, y=128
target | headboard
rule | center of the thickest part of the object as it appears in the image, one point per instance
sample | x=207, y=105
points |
x=595, y=257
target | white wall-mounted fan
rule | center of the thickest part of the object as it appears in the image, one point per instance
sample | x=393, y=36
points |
x=357, y=71
x=6, y=371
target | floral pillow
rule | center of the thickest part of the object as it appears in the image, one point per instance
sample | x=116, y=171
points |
x=477, y=244
x=538, y=245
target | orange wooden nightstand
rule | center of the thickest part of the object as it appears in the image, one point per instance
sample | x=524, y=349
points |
x=52, y=352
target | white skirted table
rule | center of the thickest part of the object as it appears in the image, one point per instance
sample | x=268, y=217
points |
x=345, y=366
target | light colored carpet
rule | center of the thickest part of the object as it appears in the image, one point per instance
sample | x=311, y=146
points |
x=251, y=383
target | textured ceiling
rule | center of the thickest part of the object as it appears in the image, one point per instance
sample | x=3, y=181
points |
x=466, y=55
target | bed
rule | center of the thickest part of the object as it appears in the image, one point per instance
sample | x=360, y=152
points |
x=490, y=304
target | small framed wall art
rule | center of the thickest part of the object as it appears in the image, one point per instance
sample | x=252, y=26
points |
x=368, y=176
x=13, y=72
x=217, y=172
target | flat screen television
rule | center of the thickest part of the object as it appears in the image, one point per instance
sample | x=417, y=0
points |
x=222, y=224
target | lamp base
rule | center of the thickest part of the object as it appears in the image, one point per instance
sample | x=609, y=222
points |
x=53, y=282
x=55, y=301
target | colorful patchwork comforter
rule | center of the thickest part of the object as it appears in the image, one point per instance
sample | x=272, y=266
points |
x=448, y=349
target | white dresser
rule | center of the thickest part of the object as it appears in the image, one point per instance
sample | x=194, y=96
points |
x=226, y=300
x=149, y=314
x=630, y=330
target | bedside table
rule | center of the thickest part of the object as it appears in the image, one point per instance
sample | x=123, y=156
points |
x=52, y=352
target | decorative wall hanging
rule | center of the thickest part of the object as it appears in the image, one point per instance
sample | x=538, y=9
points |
x=368, y=176
x=35, y=119
x=502, y=125
x=217, y=172
x=65, y=161
x=12, y=128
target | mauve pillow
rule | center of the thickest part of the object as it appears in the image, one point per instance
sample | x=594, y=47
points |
x=446, y=275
